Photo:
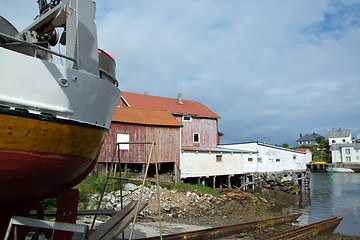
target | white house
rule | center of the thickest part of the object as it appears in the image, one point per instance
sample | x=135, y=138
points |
x=308, y=139
x=270, y=158
x=345, y=153
x=340, y=136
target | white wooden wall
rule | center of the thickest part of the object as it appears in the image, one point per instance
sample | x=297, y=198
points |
x=270, y=159
x=203, y=164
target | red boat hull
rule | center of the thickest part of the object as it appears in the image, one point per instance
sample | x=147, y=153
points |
x=42, y=158
x=29, y=176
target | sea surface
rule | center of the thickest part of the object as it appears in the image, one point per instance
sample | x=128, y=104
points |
x=337, y=197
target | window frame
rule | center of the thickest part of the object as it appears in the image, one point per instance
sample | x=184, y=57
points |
x=198, y=136
x=187, y=120
x=123, y=137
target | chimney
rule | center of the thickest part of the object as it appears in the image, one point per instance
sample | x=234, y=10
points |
x=179, y=99
x=146, y=93
x=300, y=135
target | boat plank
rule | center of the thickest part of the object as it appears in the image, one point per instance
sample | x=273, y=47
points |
x=107, y=226
x=117, y=229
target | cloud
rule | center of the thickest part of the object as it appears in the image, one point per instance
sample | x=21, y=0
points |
x=271, y=70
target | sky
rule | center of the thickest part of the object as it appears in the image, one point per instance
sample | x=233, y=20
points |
x=270, y=69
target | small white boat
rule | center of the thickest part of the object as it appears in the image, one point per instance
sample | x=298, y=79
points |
x=341, y=170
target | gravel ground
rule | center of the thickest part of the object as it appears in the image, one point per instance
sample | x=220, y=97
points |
x=205, y=210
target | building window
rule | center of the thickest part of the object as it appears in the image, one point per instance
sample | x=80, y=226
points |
x=278, y=159
x=218, y=158
x=294, y=157
x=333, y=141
x=348, y=159
x=123, y=137
x=196, y=137
x=343, y=140
x=186, y=118
x=250, y=159
x=347, y=151
x=259, y=160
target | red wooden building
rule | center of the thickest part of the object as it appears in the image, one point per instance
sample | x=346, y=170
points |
x=143, y=125
x=170, y=122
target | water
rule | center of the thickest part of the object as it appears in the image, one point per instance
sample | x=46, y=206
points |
x=337, y=197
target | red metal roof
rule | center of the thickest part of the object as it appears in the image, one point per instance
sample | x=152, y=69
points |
x=301, y=149
x=162, y=103
x=145, y=117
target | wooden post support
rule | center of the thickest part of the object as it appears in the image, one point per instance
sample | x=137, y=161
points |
x=214, y=181
x=229, y=181
x=143, y=169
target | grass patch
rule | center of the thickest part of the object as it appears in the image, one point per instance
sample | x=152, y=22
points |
x=94, y=183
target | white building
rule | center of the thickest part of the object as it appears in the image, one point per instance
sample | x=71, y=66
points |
x=308, y=154
x=345, y=153
x=340, y=136
x=206, y=162
x=270, y=158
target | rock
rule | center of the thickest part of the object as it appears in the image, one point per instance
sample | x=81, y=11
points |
x=130, y=187
x=278, y=179
x=166, y=207
x=263, y=199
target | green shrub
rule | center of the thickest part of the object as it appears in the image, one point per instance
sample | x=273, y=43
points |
x=49, y=203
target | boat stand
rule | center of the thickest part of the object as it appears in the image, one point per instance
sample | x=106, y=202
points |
x=139, y=206
x=16, y=221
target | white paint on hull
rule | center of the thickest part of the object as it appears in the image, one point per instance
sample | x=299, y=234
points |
x=50, y=88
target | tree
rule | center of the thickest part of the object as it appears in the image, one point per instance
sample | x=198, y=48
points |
x=321, y=141
x=285, y=145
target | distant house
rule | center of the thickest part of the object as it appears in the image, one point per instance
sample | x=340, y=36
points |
x=143, y=125
x=345, y=153
x=340, y=136
x=200, y=124
x=308, y=139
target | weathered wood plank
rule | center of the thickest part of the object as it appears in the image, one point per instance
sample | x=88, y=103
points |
x=307, y=231
x=107, y=226
x=117, y=229
x=219, y=232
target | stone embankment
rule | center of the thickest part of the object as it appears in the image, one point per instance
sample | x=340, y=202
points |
x=279, y=181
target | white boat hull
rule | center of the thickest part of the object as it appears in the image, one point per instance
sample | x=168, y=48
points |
x=55, y=89
x=341, y=170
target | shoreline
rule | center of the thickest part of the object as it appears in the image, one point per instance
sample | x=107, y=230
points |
x=205, y=210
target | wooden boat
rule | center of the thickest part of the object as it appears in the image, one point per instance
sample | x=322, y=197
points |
x=53, y=118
